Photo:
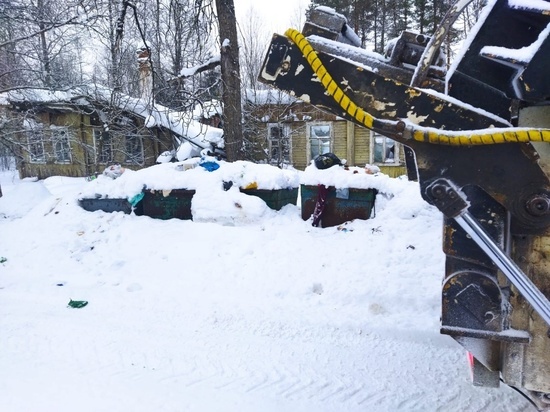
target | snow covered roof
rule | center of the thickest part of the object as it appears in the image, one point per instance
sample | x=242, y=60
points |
x=37, y=96
x=269, y=96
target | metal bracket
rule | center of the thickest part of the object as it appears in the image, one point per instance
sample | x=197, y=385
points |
x=447, y=198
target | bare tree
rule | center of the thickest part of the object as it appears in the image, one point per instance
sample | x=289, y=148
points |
x=298, y=16
x=183, y=39
x=42, y=37
x=254, y=40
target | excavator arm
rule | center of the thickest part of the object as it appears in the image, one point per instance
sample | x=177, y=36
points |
x=476, y=139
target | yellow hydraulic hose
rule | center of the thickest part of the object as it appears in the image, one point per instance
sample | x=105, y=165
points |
x=327, y=81
x=417, y=133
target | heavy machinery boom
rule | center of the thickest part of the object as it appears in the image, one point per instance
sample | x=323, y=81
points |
x=477, y=139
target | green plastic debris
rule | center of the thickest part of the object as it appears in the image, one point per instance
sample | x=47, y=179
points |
x=136, y=199
x=77, y=304
x=3, y=259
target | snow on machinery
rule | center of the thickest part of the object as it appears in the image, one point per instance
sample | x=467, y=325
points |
x=476, y=139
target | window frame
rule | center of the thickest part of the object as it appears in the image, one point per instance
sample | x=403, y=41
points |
x=101, y=147
x=330, y=138
x=35, y=140
x=61, y=144
x=396, y=161
x=283, y=140
x=132, y=156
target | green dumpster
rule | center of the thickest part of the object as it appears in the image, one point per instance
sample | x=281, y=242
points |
x=275, y=199
x=109, y=205
x=168, y=204
x=342, y=205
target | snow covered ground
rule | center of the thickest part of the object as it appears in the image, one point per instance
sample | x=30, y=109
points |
x=270, y=314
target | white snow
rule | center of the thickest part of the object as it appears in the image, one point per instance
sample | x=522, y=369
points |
x=521, y=55
x=269, y=96
x=40, y=95
x=191, y=71
x=270, y=314
x=190, y=175
x=346, y=52
x=539, y=5
x=184, y=124
x=351, y=177
x=330, y=10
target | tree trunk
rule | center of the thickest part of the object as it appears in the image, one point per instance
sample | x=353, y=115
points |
x=44, y=54
x=231, y=80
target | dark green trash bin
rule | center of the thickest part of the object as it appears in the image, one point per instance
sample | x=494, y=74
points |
x=341, y=205
x=275, y=199
x=168, y=204
x=109, y=205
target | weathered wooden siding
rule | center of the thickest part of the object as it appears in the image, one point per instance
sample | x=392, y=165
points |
x=362, y=146
x=299, y=145
x=83, y=156
x=393, y=171
x=339, y=145
x=77, y=166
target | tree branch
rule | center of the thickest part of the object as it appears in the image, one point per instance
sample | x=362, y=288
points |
x=39, y=32
x=191, y=71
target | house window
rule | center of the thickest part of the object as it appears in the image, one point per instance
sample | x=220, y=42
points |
x=383, y=150
x=279, y=143
x=61, y=144
x=104, y=146
x=134, y=149
x=319, y=135
x=35, y=139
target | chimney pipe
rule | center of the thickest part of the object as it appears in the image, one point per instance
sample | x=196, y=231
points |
x=145, y=74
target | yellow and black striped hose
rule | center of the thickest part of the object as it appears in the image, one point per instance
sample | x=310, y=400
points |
x=417, y=133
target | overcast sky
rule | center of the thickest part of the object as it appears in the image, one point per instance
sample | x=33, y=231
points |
x=278, y=15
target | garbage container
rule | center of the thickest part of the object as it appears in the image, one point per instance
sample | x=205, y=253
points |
x=168, y=204
x=275, y=199
x=108, y=205
x=342, y=205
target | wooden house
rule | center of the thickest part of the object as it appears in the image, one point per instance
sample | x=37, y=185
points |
x=293, y=132
x=77, y=133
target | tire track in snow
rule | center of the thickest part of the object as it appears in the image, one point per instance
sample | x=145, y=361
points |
x=267, y=382
x=413, y=403
x=331, y=375
x=250, y=377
